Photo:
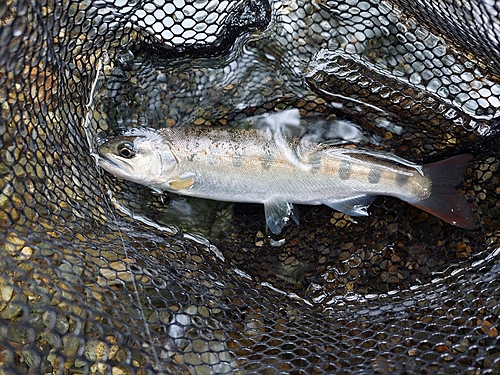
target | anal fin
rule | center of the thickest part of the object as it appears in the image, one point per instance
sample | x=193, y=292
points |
x=355, y=206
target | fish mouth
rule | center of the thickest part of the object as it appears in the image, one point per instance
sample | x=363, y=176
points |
x=113, y=164
x=106, y=161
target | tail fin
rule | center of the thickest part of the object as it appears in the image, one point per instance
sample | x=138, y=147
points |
x=445, y=202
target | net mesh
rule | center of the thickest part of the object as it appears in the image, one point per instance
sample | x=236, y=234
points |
x=100, y=275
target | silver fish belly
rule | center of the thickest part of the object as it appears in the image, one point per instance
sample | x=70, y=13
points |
x=260, y=166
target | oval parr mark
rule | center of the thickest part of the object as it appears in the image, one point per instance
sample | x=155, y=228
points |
x=402, y=179
x=213, y=159
x=316, y=162
x=267, y=160
x=345, y=169
x=374, y=176
x=237, y=159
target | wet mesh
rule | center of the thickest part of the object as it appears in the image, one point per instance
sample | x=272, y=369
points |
x=103, y=276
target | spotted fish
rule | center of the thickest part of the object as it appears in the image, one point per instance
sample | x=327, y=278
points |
x=261, y=166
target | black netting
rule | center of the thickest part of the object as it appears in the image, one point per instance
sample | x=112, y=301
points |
x=100, y=275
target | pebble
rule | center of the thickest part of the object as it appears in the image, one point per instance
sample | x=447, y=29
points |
x=31, y=357
x=6, y=291
x=13, y=309
x=96, y=350
x=119, y=370
x=71, y=344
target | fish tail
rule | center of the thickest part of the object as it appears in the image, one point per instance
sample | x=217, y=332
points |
x=445, y=202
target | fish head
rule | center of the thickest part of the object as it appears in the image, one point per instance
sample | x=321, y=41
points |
x=140, y=156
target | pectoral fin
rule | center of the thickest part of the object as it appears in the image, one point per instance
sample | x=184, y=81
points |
x=356, y=206
x=278, y=213
x=181, y=183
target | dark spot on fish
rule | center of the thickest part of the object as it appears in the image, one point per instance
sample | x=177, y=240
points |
x=237, y=159
x=402, y=179
x=345, y=169
x=374, y=176
x=213, y=159
x=267, y=160
x=315, y=161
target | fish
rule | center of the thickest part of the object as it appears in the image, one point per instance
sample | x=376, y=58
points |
x=262, y=166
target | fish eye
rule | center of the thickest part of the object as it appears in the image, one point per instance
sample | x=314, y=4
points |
x=126, y=150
